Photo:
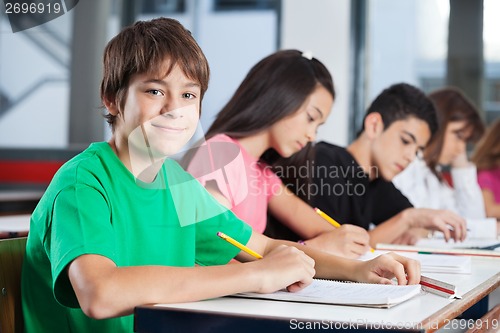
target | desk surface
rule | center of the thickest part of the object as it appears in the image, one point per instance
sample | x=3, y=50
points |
x=424, y=313
x=12, y=223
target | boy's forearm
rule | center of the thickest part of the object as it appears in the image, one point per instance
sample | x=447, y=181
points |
x=327, y=266
x=334, y=267
x=390, y=230
x=119, y=290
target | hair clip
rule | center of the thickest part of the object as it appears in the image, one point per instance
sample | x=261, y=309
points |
x=307, y=54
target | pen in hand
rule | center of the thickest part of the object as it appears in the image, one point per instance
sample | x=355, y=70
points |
x=239, y=245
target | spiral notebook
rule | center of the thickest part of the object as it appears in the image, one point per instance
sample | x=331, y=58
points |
x=345, y=293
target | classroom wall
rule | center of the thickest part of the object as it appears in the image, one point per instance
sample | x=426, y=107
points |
x=325, y=32
x=321, y=26
x=39, y=84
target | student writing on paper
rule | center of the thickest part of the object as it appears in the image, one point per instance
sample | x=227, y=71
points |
x=423, y=181
x=122, y=225
x=353, y=184
x=487, y=159
x=276, y=110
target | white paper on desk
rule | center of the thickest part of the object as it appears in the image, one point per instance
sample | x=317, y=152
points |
x=432, y=263
x=345, y=293
x=442, y=263
x=477, y=229
x=482, y=228
x=438, y=243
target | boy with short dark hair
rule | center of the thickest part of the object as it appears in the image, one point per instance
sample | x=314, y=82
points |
x=353, y=185
x=122, y=225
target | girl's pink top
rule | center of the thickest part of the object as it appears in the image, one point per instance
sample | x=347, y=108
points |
x=247, y=183
x=490, y=179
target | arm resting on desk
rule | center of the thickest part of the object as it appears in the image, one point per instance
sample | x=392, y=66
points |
x=104, y=290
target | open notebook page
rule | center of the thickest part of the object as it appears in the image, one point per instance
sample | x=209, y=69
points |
x=345, y=293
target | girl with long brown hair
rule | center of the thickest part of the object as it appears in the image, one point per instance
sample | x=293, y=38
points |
x=276, y=110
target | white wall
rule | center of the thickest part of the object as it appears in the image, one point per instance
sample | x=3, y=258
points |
x=323, y=27
x=232, y=41
x=393, y=52
x=37, y=84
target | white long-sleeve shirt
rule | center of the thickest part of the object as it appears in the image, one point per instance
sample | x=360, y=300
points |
x=424, y=190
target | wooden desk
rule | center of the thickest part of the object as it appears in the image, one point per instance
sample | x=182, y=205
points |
x=424, y=313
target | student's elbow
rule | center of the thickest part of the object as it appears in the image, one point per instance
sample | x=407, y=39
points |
x=94, y=311
x=96, y=304
x=93, y=281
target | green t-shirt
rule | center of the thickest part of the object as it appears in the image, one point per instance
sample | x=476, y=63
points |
x=94, y=205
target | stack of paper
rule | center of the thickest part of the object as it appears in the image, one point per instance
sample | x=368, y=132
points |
x=444, y=248
x=468, y=244
x=441, y=263
x=482, y=228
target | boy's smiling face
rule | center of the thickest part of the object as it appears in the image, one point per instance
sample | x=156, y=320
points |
x=159, y=116
x=396, y=147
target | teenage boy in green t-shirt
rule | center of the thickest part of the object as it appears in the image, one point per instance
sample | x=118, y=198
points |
x=121, y=225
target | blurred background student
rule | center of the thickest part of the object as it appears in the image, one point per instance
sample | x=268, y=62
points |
x=424, y=182
x=276, y=110
x=487, y=159
x=353, y=184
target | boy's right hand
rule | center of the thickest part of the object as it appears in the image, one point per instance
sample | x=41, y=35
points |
x=348, y=241
x=285, y=267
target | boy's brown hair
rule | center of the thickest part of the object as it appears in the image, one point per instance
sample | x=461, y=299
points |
x=143, y=48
